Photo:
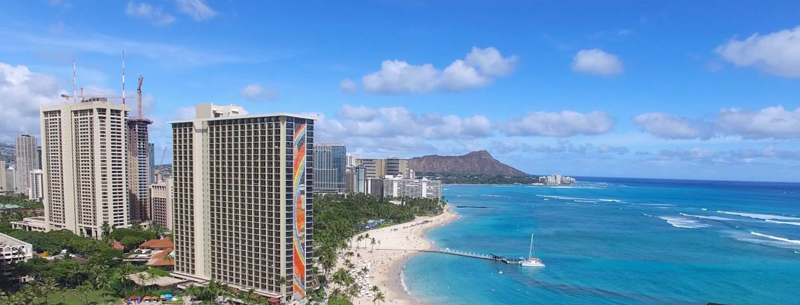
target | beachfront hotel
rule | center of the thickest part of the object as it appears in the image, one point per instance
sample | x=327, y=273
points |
x=84, y=166
x=242, y=199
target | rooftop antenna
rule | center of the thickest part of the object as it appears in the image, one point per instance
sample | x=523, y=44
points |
x=74, y=80
x=123, y=77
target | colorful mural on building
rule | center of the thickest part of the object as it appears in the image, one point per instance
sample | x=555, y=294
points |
x=299, y=282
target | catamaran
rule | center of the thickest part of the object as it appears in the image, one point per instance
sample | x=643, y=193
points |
x=531, y=261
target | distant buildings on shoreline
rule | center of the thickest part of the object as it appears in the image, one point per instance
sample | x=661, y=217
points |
x=556, y=179
x=389, y=178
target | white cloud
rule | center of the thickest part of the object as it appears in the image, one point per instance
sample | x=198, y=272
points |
x=196, y=9
x=358, y=113
x=22, y=92
x=476, y=70
x=771, y=122
x=348, y=86
x=149, y=13
x=596, y=61
x=776, y=53
x=694, y=154
x=562, y=146
x=256, y=92
x=559, y=124
x=185, y=113
x=390, y=122
x=668, y=126
x=490, y=62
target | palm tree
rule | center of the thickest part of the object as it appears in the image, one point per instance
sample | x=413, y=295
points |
x=47, y=287
x=379, y=297
x=84, y=289
x=105, y=231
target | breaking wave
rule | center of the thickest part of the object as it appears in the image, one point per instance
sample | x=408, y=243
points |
x=761, y=216
x=684, y=223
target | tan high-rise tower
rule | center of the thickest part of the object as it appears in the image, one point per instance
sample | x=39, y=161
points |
x=243, y=199
x=84, y=166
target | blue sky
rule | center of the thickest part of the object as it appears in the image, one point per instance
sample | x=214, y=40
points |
x=668, y=89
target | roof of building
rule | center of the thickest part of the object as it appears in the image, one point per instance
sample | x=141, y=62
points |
x=10, y=241
x=157, y=244
x=117, y=245
x=162, y=259
x=248, y=116
x=145, y=279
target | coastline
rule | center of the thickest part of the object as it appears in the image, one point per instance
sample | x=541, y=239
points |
x=395, y=245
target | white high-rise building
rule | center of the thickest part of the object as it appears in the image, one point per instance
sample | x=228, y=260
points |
x=84, y=170
x=242, y=204
x=3, y=183
x=35, y=185
x=161, y=203
x=27, y=160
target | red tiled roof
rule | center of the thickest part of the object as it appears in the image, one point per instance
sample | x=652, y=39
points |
x=117, y=245
x=157, y=244
x=161, y=259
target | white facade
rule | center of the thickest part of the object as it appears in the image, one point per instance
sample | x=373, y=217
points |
x=412, y=188
x=12, y=251
x=161, y=203
x=3, y=183
x=35, y=184
x=27, y=161
x=84, y=170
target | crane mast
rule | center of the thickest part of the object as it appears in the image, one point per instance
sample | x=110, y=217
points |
x=139, y=92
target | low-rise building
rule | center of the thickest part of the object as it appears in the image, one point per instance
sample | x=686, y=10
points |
x=412, y=188
x=12, y=251
x=35, y=224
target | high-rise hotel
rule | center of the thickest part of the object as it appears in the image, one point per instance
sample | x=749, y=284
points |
x=84, y=165
x=243, y=199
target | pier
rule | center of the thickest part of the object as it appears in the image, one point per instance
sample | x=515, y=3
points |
x=448, y=251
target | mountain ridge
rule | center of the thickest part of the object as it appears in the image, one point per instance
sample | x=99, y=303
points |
x=478, y=162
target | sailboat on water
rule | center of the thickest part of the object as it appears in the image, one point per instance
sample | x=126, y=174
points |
x=532, y=261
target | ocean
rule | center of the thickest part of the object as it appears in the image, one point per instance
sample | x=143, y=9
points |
x=617, y=241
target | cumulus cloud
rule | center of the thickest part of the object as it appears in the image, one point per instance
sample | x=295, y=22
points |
x=391, y=122
x=774, y=122
x=348, y=86
x=478, y=69
x=196, y=9
x=596, y=61
x=559, y=124
x=693, y=154
x=562, y=146
x=358, y=113
x=771, y=122
x=668, y=126
x=776, y=53
x=22, y=92
x=256, y=92
x=149, y=13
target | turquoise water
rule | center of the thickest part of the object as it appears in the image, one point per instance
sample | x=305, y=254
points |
x=618, y=241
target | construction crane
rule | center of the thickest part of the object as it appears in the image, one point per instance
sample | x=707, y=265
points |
x=139, y=92
x=158, y=171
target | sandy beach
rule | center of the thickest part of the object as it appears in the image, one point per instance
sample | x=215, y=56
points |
x=394, y=246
